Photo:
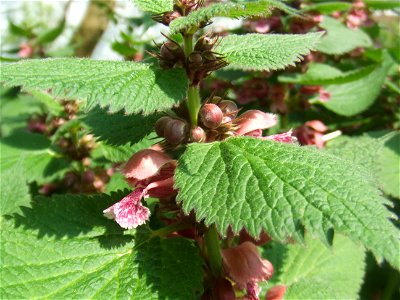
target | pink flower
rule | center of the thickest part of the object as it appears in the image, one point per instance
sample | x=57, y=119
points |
x=151, y=173
x=246, y=268
x=311, y=133
x=25, y=50
x=252, y=122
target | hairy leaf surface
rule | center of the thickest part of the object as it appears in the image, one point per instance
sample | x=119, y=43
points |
x=240, y=9
x=63, y=247
x=314, y=271
x=340, y=39
x=155, y=6
x=257, y=184
x=328, y=7
x=266, y=51
x=129, y=86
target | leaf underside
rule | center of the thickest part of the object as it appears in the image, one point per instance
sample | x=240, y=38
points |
x=266, y=51
x=155, y=6
x=282, y=189
x=129, y=86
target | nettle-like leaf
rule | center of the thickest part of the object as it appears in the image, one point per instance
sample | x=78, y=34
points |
x=383, y=4
x=25, y=157
x=257, y=184
x=317, y=272
x=155, y=6
x=266, y=51
x=129, y=86
x=118, y=128
x=322, y=74
x=240, y=9
x=328, y=7
x=380, y=156
x=70, y=250
x=339, y=39
x=356, y=96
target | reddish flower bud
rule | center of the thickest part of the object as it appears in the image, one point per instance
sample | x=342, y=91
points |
x=228, y=108
x=211, y=115
x=176, y=131
x=205, y=44
x=161, y=124
x=169, y=51
x=195, y=58
x=197, y=134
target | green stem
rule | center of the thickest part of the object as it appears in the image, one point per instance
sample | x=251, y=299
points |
x=193, y=103
x=211, y=241
x=193, y=93
x=169, y=229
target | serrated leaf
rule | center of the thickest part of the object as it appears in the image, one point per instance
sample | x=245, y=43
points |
x=328, y=7
x=321, y=74
x=266, y=51
x=25, y=157
x=241, y=9
x=118, y=128
x=380, y=156
x=122, y=153
x=117, y=183
x=282, y=189
x=133, y=87
x=354, y=97
x=339, y=39
x=318, y=272
x=32, y=153
x=63, y=247
x=155, y=6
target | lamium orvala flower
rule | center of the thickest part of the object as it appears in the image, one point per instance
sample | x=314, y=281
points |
x=151, y=173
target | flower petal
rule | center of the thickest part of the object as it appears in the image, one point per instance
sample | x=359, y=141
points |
x=129, y=212
x=286, y=137
x=145, y=163
x=253, y=120
x=244, y=265
x=316, y=125
x=276, y=293
x=161, y=189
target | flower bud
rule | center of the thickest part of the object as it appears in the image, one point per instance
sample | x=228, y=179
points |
x=211, y=115
x=276, y=293
x=197, y=134
x=195, y=58
x=228, y=108
x=204, y=44
x=161, y=124
x=170, y=51
x=176, y=131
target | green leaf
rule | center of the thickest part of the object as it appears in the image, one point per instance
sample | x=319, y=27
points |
x=328, y=7
x=51, y=104
x=50, y=35
x=383, y=4
x=63, y=247
x=266, y=51
x=282, y=189
x=241, y=9
x=155, y=6
x=118, y=128
x=320, y=74
x=318, y=272
x=380, y=156
x=123, y=152
x=134, y=87
x=340, y=39
x=32, y=153
x=356, y=96
x=117, y=183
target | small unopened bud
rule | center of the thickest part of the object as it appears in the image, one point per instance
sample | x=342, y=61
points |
x=209, y=56
x=197, y=134
x=176, y=131
x=204, y=44
x=211, y=115
x=229, y=108
x=161, y=124
x=195, y=58
x=169, y=51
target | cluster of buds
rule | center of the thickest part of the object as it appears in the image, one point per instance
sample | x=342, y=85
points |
x=202, y=61
x=171, y=55
x=181, y=8
x=79, y=150
x=358, y=15
x=175, y=131
x=90, y=181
